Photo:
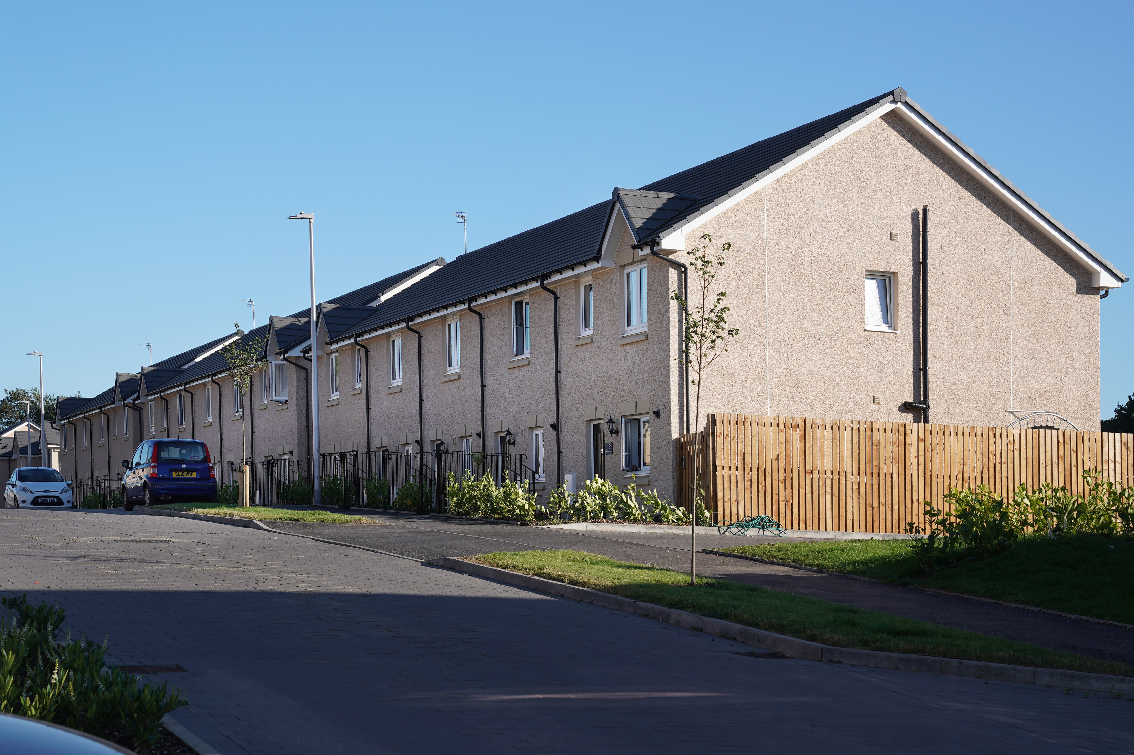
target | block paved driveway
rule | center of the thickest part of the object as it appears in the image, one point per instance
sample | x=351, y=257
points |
x=295, y=646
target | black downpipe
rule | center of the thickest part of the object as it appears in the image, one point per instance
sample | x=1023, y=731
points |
x=483, y=436
x=558, y=427
x=367, y=368
x=75, y=448
x=923, y=368
x=165, y=415
x=134, y=406
x=90, y=445
x=307, y=411
x=682, y=314
x=420, y=426
x=220, y=426
x=192, y=415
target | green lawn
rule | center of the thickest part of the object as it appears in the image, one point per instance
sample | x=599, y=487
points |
x=1088, y=575
x=266, y=513
x=794, y=615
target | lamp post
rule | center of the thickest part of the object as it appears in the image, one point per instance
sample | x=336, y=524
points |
x=27, y=421
x=463, y=219
x=251, y=303
x=42, y=443
x=310, y=218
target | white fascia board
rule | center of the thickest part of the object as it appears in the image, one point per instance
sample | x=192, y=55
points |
x=211, y=351
x=1100, y=276
x=674, y=238
x=505, y=294
x=386, y=295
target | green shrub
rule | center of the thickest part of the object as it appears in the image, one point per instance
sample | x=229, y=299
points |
x=481, y=497
x=377, y=494
x=297, y=492
x=68, y=682
x=602, y=499
x=407, y=497
x=227, y=494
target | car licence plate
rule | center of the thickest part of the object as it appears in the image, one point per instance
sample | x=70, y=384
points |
x=184, y=473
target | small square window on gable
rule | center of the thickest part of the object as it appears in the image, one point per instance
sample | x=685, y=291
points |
x=879, y=301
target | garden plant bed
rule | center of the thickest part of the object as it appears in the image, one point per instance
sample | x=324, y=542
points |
x=1084, y=575
x=792, y=615
x=266, y=513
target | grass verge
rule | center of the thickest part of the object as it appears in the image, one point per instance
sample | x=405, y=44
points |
x=793, y=615
x=266, y=513
x=1087, y=575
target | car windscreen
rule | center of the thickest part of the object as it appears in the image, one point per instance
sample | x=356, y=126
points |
x=38, y=475
x=181, y=451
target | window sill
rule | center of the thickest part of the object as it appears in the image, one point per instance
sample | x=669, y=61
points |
x=333, y=401
x=181, y=428
x=207, y=423
x=394, y=389
x=540, y=485
x=640, y=479
x=449, y=376
x=357, y=390
x=583, y=340
x=280, y=405
x=633, y=338
x=879, y=329
x=519, y=362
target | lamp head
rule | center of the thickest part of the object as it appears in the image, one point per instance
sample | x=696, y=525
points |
x=35, y=353
x=302, y=216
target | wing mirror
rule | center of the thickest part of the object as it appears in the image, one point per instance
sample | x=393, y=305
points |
x=125, y=463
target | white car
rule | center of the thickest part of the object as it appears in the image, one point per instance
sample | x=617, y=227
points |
x=38, y=488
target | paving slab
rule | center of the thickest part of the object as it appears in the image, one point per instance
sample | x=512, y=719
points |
x=296, y=646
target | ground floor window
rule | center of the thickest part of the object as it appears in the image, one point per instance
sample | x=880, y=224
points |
x=636, y=444
x=537, y=455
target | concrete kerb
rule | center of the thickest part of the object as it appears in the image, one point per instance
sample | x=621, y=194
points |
x=667, y=529
x=195, y=743
x=804, y=649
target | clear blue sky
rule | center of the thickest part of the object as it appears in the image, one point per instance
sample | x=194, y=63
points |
x=169, y=141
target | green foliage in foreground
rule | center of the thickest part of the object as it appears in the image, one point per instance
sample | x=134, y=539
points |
x=266, y=513
x=483, y=498
x=794, y=615
x=601, y=500
x=1084, y=574
x=68, y=682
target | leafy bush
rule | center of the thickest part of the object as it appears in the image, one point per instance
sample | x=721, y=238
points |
x=601, y=499
x=227, y=494
x=68, y=682
x=377, y=494
x=297, y=492
x=338, y=491
x=407, y=497
x=481, y=497
x=981, y=523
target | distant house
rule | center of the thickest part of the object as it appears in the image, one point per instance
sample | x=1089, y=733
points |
x=20, y=447
x=544, y=342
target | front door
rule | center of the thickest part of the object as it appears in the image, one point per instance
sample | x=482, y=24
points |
x=597, y=456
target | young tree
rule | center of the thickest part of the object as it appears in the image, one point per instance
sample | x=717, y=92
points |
x=12, y=406
x=707, y=333
x=1123, y=419
x=244, y=358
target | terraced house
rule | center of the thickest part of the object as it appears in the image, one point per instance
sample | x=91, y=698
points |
x=871, y=250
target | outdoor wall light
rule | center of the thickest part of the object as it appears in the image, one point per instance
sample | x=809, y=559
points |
x=510, y=436
x=611, y=426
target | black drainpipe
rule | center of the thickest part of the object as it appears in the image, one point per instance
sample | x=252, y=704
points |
x=90, y=445
x=192, y=414
x=923, y=405
x=681, y=315
x=220, y=426
x=366, y=365
x=106, y=440
x=480, y=318
x=75, y=448
x=556, y=427
x=307, y=411
x=420, y=426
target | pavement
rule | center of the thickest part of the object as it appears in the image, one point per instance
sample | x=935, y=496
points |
x=433, y=537
x=296, y=646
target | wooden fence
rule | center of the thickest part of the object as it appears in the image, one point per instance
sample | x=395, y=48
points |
x=860, y=476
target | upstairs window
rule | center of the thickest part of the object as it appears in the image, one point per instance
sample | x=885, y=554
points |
x=208, y=403
x=358, y=368
x=333, y=374
x=587, y=308
x=521, y=333
x=102, y=429
x=86, y=432
x=65, y=433
x=265, y=385
x=879, y=301
x=181, y=410
x=636, y=444
x=150, y=409
x=114, y=429
x=453, y=346
x=635, y=295
x=279, y=381
x=125, y=423
x=395, y=361
x=237, y=399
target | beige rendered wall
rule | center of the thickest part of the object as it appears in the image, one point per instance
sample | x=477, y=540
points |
x=1013, y=320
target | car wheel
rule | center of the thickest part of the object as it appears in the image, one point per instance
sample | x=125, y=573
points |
x=147, y=496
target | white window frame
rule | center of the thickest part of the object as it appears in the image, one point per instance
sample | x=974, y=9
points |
x=125, y=422
x=265, y=386
x=519, y=350
x=586, y=307
x=181, y=410
x=643, y=441
x=279, y=381
x=453, y=346
x=150, y=409
x=333, y=374
x=537, y=465
x=888, y=278
x=103, y=419
x=208, y=403
x=86, y=433
x=635, y=285
x=237, y=399
x=65, y=447
x=396, y=361
x=358, y=367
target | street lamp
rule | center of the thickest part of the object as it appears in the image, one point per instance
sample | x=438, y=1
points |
x=251, y=303
x=42, y=442
x=310, y=218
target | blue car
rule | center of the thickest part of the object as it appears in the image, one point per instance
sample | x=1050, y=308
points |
x=169, y=470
